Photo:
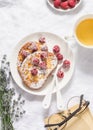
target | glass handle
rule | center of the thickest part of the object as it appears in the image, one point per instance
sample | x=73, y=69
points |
x=71, y=41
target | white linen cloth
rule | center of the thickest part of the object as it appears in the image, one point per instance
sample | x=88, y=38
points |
x=19, y=18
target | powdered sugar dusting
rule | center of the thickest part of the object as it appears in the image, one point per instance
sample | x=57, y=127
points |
x=37, y=81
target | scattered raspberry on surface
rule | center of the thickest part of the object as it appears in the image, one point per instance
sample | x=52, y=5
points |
x=60, y=74
x=59, y=56
x=56, y=49
x=66, y=64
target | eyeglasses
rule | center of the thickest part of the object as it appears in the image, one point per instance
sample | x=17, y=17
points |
x=59, y=120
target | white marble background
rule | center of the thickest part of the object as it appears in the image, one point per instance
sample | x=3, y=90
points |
x=19, y=18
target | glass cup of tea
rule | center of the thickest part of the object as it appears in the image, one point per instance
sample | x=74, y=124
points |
x=83, y=31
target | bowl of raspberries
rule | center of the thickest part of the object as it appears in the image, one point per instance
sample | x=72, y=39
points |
x=64, y=5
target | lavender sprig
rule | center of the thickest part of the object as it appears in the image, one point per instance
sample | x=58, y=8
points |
x=10, y=109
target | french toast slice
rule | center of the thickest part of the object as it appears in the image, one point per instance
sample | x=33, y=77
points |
x=36, y=69
x=27, y=49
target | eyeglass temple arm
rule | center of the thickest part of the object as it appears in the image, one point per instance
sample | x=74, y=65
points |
x=81, y=99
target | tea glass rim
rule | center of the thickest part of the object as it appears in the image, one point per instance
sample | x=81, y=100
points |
x=80, y=19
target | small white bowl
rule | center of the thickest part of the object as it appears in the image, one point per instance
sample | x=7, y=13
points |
x=50, y=2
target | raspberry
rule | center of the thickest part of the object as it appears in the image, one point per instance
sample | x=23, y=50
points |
x=78, y=1
x=42, y=40
x=59, y=56
x=43, y=55
x=57, y=3
x=34, y=47
x=63, y=0
x=35, y=61
x=60, y=74
x=72, y=3
x=34, y=72
x=56, y=49
x=25, y=53
x=42, y=65
x=64, y=5
x=66, y=64
x=44, y=48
